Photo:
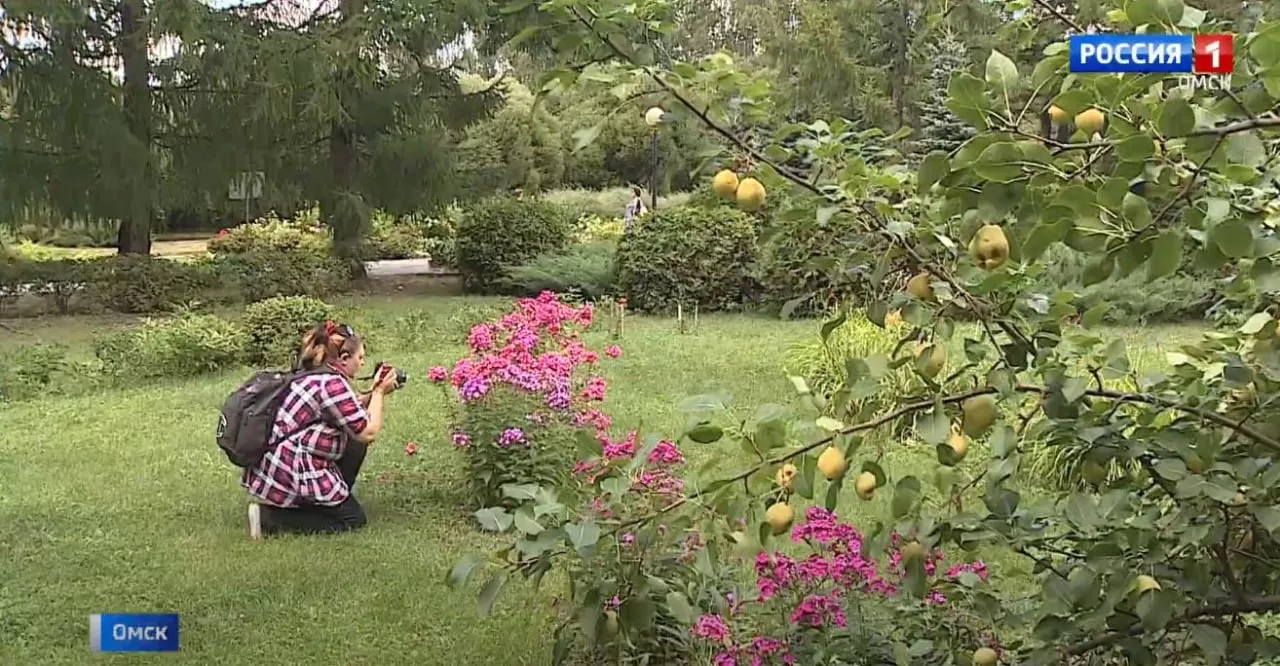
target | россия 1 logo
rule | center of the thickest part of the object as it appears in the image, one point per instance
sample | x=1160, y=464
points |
x=1201, y=61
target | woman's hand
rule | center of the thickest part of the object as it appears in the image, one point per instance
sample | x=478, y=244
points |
x=386, y=384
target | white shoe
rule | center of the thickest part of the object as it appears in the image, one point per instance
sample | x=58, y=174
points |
x=255, y=521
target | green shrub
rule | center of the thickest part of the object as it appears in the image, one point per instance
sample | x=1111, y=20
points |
x=467, y=316
x=820, y=261
x=272, y=234
x=135, y=284
x=30, y=371
x=544, y=460
x=187, y=345
x=392, y=238
x=501, y=232
x=1184, y=296
x=274, y=327
x=59, y=281
x=587, y=270
x=687, y=255
x=595, y=229
x=261, y=275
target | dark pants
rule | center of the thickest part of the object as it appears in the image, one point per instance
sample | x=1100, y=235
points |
x=315, y=518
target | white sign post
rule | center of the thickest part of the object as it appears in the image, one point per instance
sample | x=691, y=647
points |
x=247, y=187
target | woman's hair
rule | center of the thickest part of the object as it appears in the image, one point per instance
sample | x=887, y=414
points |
x=635, y=189
x=326, y=342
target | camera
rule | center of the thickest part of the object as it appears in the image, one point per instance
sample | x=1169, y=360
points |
x=401, y=376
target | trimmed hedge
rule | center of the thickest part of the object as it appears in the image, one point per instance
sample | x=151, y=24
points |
x=691, y=255
x=501, y=232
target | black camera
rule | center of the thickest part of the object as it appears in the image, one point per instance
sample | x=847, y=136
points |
x=401, y=376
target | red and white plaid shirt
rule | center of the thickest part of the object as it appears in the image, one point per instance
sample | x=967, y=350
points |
x=303, y=467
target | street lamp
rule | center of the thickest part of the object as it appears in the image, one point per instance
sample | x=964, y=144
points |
x=653, y=118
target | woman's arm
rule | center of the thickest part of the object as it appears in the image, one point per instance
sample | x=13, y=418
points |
x=374, y=423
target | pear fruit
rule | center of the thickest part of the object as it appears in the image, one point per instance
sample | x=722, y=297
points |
x=865, y=485
x=931, y=364
x=912, y=551
x=1146, y=582
x=989, y=247
x=1094, y=472
x=1090, y=121
x=725, y=184
x=958, y=442
x=832, y=463
x=985, y=656
x=1057, y=115
x=610, y=624
x=750, y=195
x=780, y=517
x=920, y=287
x=979, y=414
x=786, y=476
x=1195, y=464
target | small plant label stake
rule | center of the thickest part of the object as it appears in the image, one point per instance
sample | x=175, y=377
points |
x=680, y=318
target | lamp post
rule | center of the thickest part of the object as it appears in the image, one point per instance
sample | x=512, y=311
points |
x=653, y=118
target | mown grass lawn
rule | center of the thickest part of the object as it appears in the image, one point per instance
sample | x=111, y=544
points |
x=121, y=502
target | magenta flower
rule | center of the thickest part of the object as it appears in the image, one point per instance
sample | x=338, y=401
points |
x=613, y=351
x=461, y=439
x=511, y=436
x=712, y=628
x=438, y=374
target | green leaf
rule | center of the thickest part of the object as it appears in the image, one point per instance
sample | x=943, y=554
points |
x=1246, y=148
x=494, y=519
x=525, y=522
x=1166, y=254
x=637, y=613
x=1093, y=316
x=829, y=424
x=583, y=535
x=828, y=327
x=1136, y=148
x=1154, y=609
x=1176, y=117
x=1268, y=517
x=1211, y=640
x=934, y=427
x=1001, y=71
x=905, y=494
x=586, y=136
x=1135, y=210
x=463, y=570
x=520, y=491
x=489, y=593
x=1255, y=323
x=706, y=433
x=1233, y=238
x=1098, y=271
x=679, y=607
x=1042, y=237
x=516, y=6
x=935, y=167
x=800, y=385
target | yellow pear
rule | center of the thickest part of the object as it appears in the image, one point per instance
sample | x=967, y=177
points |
x=937, y=357
x=958, y=442
x=989, y=247
x=725, y=184
x=865, y=485
x=786, y=476
x=1090, y=121
x=979, y=414
x=1094, y=472
x=912, y=551
x=1146, y=582
x=610, y=624
x=1057, y=115
x=985, y=657
x=750, y=195
x=1195, y=463
x=920, y=286
x=832, y=463
x=780, y=517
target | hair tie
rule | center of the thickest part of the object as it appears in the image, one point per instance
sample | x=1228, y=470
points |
x=330, y=328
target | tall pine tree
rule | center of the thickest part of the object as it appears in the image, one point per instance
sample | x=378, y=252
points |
x=940, y=129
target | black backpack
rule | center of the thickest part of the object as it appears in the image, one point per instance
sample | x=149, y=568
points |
x=244, y=426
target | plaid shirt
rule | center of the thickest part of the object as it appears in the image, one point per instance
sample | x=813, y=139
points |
x=303, y=468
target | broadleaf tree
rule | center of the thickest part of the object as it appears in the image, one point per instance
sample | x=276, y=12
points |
x=1174, y=560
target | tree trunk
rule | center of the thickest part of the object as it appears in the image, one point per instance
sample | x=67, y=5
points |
x=135, y=228
x=345, y=211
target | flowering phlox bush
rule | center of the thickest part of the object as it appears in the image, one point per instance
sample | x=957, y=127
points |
x=814, y=608
x=525, y=391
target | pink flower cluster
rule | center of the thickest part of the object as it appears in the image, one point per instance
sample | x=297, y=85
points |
x=820, y=582
x=535, y=349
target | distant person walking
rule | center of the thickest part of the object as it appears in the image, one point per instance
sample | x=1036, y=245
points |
x=635, y=208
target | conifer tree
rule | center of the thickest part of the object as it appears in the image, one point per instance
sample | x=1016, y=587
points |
x=940, y=129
